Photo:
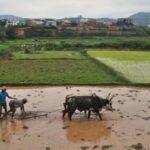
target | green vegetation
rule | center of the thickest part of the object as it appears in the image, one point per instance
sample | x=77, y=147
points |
x=67, y=61
x=49, y=55
x=52, y=71
x=133, y=65
x=134, y=43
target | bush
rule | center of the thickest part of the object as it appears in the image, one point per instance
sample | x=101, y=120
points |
x=83, y=52
x=5, y=54
x=11, y=33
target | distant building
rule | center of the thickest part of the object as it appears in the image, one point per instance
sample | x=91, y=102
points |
x=51, y=22
x=22, y=22
x=38, y=22
x=34, y=22
x=92, y=24
x=124, y=21
x=84, y=20
x=12, y=23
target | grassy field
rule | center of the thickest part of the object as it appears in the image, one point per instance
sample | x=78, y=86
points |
x=43, y=68
x=133, y=65
x=49, y=55
x=62, y=61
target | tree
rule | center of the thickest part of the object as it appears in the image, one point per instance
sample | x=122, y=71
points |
x=2, y=33
x=11, y=33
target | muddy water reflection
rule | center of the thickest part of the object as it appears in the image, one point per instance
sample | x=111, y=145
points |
x=9, y=128
x=88, y=131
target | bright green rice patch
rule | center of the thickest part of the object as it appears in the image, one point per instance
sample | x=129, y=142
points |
x=54, y=72
x=133, y=65
x=120, y=55
x=49, y=55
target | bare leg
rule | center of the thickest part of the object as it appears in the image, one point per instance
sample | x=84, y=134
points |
x=97, y=112
x=64, y=113
x=5, y=108
x=13, y=113
x=85, y=112
x=89, y=114
x=70, y=113
x=0, y=110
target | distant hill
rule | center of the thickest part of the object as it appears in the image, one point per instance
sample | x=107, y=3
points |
x=141, y=18
x=9, y=17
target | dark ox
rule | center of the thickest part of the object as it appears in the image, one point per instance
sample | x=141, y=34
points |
x=87, y=103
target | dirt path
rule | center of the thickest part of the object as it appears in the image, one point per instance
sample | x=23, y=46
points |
x=126, y=128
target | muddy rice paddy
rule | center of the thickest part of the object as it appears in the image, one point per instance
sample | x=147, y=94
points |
x=126, y=128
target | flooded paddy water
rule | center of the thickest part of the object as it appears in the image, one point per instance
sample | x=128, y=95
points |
x=126, y=128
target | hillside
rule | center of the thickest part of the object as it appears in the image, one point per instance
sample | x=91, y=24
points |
x=9, y=17
x=141, y=18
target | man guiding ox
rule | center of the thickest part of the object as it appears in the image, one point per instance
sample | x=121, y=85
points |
x=3, y=104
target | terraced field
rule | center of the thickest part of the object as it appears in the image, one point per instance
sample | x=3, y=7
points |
x=53, y=67
x=133, y=65
x=48, y=55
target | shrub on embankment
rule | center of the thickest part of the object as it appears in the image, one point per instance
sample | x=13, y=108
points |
x=137, y=45
x=5, y=54
x=77, y=44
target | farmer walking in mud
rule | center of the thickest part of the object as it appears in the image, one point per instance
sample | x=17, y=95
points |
x=3, y=104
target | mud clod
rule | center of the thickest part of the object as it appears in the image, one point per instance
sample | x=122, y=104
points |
x=84, y=147
x=138, y=134
x=47, y=148
x=146, y=118
x=65, y=127
x=138, y=146
x=25, y=127
x=105, y=147
x=82, y=139
x=148, y=133
x=95, y=147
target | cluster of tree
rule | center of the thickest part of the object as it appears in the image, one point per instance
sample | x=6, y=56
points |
x=5, y=54
x=54, y=32
x=129, y=44
x=12, y=32
x=38, y=32
x=8, y=33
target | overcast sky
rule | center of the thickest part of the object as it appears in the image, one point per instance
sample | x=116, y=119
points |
x=67, y=8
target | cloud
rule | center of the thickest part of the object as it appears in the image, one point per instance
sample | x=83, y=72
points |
x=66, y=8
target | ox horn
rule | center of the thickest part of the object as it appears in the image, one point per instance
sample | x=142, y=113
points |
x=113, y=97
x=108, y=96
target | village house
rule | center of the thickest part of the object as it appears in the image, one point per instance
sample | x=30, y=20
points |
x=34, y=22
x=12, y=23
x=92, y=24
x=50, y=22
x=38, y=22
x=124, y=21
